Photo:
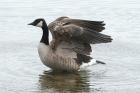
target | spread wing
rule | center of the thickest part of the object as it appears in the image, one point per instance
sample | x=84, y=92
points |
x=94, y=25
x=79, y=34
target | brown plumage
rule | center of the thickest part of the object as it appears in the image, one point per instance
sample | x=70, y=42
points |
x=71, y=39
x=80, y=34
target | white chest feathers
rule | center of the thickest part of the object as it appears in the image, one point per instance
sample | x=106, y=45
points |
x=43, y=51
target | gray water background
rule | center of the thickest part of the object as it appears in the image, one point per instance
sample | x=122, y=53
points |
x=21, y=70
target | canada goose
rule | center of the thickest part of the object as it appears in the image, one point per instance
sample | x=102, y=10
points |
x=70, y=46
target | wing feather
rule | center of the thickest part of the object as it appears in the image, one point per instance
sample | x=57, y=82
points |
x=85, y=35
x=94, y=25
x=77, y=35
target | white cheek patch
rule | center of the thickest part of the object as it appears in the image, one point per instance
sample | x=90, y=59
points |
x=40, y=24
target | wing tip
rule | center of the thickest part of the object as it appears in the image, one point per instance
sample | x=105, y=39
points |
x=108, y=40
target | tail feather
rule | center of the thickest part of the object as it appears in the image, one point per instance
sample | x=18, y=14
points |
x=88, y=64
x=93, y=62
x=100, y=62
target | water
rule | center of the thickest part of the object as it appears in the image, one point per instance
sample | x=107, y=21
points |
x=22, y=72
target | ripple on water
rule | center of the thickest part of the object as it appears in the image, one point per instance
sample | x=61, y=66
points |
x=69, y=82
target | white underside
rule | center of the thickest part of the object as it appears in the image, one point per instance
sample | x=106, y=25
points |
x=84, y=65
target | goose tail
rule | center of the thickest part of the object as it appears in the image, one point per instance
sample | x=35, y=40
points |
x=93, y=62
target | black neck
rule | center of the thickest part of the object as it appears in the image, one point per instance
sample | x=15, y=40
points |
x=45, y=36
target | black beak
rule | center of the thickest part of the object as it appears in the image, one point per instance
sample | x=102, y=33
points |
x=30, y=24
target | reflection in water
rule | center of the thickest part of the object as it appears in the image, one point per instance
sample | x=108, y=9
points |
x=62, y=82
x=20, y=64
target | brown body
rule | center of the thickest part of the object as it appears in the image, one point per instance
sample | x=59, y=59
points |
x=70, y=45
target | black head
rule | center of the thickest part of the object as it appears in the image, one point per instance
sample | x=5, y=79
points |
x=38, y=22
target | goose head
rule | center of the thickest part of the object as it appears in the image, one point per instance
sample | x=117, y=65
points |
x=40, y=22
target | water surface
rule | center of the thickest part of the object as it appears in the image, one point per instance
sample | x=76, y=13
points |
x=22, y=71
